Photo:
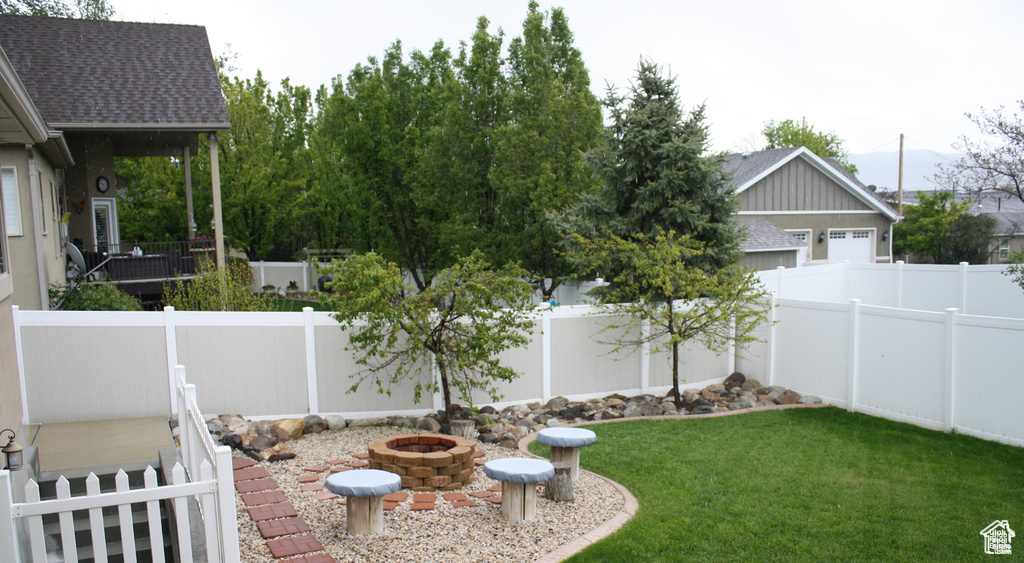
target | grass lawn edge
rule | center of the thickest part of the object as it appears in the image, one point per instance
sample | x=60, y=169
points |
x=631, y=505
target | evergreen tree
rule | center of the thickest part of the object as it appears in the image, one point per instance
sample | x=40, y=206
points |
x=658, y=176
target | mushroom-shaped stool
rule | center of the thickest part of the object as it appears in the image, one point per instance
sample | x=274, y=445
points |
x=364, y=491
x=565, y=445
x=519, y=477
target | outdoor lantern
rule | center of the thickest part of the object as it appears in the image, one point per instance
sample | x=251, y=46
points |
x=821, y=237
x=15, y=457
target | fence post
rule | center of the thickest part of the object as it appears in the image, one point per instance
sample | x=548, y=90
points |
x=8, y=536
x=263, y=276
x=184, y=438
x=19, y=354
x=963, y=287
x=781, y=271
x=854, y=350
x=195, y=441
x=732, y=346
x=846, y=280
x=545, y=353
x=305, y=277
x=312, y=386
x=226, y=505
x=771, y=338
x=645, y=356
x=171, y=339
x=899, y=284
x=949, y=371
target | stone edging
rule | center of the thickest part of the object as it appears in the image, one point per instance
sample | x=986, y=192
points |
x=628, y=511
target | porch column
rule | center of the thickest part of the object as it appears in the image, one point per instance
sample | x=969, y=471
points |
x=190, y=218
x=218, y=220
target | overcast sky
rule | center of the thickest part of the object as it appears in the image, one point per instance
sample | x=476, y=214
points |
x=867, y=70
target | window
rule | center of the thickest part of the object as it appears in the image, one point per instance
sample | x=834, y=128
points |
x=861, y=234
x=12, y=204
x=837, y=235
x=1004, y=249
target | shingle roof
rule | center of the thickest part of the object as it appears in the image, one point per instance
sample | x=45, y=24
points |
x=1008, y=224
x=762, y=234
x=744, y=167
x=85, y=74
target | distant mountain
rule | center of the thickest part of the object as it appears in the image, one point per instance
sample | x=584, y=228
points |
x=919, y=168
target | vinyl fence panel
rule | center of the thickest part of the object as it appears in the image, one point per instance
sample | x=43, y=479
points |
x=989, y=381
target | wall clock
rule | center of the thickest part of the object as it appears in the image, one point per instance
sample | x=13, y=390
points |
x=102, y=184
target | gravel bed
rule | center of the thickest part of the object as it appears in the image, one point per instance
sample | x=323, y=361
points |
x=477, y=533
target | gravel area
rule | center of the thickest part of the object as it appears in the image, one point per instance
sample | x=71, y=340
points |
x=476, y=533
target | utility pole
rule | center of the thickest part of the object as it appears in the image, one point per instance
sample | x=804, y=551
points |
x=899, y=205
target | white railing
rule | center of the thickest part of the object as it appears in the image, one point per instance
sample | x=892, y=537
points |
x=208, y=480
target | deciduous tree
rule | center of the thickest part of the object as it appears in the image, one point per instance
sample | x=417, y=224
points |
x=994, y=163
x=790, y=133
x=458, y=325
x=668, y=302
x=939, y=228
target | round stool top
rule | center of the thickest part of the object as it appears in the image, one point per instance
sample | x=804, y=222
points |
x=519, y=470
x=566, y=437
x=363, y=483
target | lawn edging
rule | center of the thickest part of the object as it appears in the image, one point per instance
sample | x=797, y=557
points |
x=631, y=505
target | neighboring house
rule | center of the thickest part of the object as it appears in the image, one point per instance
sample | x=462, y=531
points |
x=1008, y=234
x=814, y=200
x=103, y=89
x=766, y=246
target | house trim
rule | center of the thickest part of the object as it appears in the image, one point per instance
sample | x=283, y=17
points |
x=815, y=212
x=776, y=249
x=198, y=127
x=829, y=171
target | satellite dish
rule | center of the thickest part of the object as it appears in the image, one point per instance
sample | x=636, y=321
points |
x=76, y=258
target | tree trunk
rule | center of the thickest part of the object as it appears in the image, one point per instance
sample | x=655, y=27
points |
x=464, y=429
x=560, y=487
x=676, y=398
x=445, y=390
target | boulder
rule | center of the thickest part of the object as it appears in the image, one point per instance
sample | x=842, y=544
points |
x=557, y=403
x=631, y=411
x=292, y=427
x=314, y=424
x=753, y=386
x=428, y=424
x=336, y=422
x=708, y=395
x=265, y=428
x=486, y=438
x=510, y=443
x=364, y=422
x=613, y=402
x=789, y=398
x=571, y=412
x=261, y=442
x=703, y=409
x=488, y=410
x=651, y=410
x=518, y=431
x=741, y=403
x=735, y=379
x=401, y=422
x=809, y=400
x=717, y=388
x=554, y=423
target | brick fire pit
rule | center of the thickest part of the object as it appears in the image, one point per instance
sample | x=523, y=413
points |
x=426, y=462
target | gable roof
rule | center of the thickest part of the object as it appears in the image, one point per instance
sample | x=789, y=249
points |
x=169, y=80
x=762, y=235
x=746, y=169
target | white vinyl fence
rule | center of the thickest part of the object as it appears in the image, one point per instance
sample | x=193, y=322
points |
x=208, y=479
x=940, y=370
x=287, y=364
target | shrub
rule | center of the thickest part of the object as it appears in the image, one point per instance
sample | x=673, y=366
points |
x=228, y=289
x=93, y=297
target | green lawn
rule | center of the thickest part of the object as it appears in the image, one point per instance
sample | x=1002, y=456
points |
x=803, y=484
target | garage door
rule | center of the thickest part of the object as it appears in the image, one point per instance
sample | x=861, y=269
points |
x=854, y=246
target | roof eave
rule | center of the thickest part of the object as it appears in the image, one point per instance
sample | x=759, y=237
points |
x=773, y=249
x=16, y=95
x=199, y=127
x=826, y=169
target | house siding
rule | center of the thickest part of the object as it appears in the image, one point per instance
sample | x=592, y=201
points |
x=769, y=260
x=799, y=186
x=27, y=294
x=823, y=222
x=10, y=399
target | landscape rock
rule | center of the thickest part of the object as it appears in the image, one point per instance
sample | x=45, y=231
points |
x=789, y=398
x=510, y=443
x=336, y=422
x=314, y=424
x=809, y=400
x=735, y=379
x=364, y=422
x=557, y=403
x=261, y=442
x=292, y=427
x=428, y=424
